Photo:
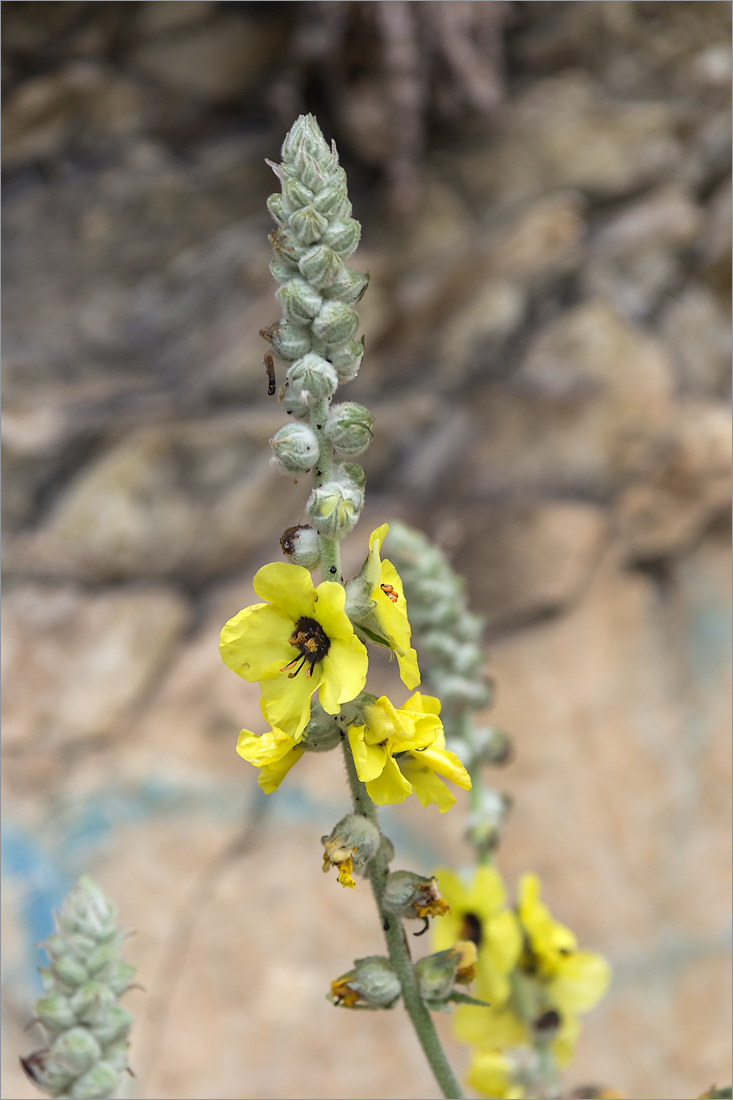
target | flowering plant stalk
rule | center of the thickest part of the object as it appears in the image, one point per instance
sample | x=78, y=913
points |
x=307, y=644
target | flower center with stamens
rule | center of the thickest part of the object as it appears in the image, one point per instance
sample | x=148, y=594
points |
x=310, y=640
x=471, y=929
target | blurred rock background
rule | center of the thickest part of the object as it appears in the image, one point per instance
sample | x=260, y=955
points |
x=545, y=195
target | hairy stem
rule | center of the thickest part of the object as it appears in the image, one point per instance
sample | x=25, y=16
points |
x=399, y=952
x=330, y=551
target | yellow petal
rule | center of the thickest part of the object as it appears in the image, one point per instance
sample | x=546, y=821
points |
x=288, y=699
x=329, y=610
x=495, y=1027
x=264, y=748
x=391, y=786
x=255, y=639
x=427, y=786
x=582, y=979
x=409, y=670
x=289, y=587
x=344, y=671
x=369, y=760
x=272, y=775
x=447, y=764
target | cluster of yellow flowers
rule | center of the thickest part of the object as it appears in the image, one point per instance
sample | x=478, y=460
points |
x=302, y=641
x=529, y=970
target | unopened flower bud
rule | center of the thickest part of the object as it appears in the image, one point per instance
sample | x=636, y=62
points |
x=305, y=136
x=335, y=323
x=313, y=375
x=320, y=266
x=347, y=359
x=371, y=984
x=308, y=226
x=100, y=1080
x=323, y=732
x=282, y=270
x=300, y=545
x=413, y=896
x=295, y=195
x=437, y=974
x=486, y=822
x=299, y=300
x=349, y=428
x=294, y=401
x=54, y=1011
x=334, y=508
x=45, y=1072
x=333, y=200
x=295, y=447
x=493, y=745
x=353, y=842
x=348, y=285
x=343, y=237
x=276, y=208
x=290, y=341
x=76, y=1050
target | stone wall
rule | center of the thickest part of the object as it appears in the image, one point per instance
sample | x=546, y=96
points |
x=548, y=354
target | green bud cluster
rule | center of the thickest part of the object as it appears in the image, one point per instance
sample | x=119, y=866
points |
x=449, y=634
x=86, y=1030
x=318, y=291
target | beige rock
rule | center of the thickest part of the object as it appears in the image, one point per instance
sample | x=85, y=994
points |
x=667, y=513
x=216, y=61
x=638, y=255
x=77, y=664
x=565, y=131
x=587, y=411
x=186, y=498
x=697, y=331
x=42, y=115
x=528, y=562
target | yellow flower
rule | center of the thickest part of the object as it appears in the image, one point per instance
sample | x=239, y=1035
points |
x=422, y=767
x=413, y=731
x=575, y=981
x=298, y=643
x=390, y=611
x=479, y=913
x=549, y=978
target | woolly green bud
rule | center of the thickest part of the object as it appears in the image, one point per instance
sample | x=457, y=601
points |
x=289, y=341
x=333, y=200
x=314, y=376
x=308, y=226
x=301, y=546
x=76, y=1050
x=295, y=447
x=294, y=401
x=276, y=208
x=88, y=1028
x=101, y=1080
x=335, y=323
x=300, y=302
x=347, y=359
x=349, y=428
x=295, y=196
x=343, y=237
x=348, y=286
x=55, y=1013
x=320, y=266
x=371, y=984
x=323, y=732
x=487, y=820
x=282, y=269
x=305, y=136
x=351, y=845
x=334, y=508
x=413, y=896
